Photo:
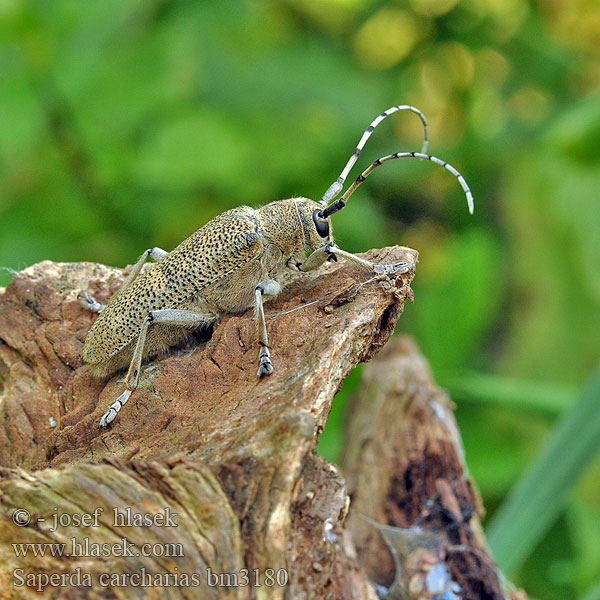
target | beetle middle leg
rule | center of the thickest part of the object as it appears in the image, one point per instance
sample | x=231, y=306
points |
x=269, y=288
x=319, y=256
x=177, y=318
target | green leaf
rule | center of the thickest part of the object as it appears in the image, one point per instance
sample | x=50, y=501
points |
x=508, y=392
x=593, y=593
x=537, y=498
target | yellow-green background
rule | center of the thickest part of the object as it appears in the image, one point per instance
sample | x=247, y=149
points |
x=126, y=124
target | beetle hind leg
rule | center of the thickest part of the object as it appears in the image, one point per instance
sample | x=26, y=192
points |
x=155, y=253
x=176, y=318
x=90, y=303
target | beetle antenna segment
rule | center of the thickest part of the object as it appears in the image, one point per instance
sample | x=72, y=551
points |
x=341, y=202
x=336, y=187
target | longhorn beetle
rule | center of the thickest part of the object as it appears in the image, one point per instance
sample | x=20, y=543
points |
x=234, y=262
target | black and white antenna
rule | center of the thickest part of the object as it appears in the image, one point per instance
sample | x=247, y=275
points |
x=336, y=187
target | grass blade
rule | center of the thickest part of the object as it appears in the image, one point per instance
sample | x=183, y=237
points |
x=496, y=390
x=536, y=499
x=593, y=593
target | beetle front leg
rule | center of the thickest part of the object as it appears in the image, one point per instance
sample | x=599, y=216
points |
x=316, y=259
x=178, y=318
x=322, y=254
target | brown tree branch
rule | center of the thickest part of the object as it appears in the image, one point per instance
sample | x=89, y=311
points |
x=229, y=458
x=404, y=468
x=201, y=435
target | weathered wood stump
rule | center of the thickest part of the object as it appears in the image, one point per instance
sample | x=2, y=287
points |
x=404, y=467
x=208, y=474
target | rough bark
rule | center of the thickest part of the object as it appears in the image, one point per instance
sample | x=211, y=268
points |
x=404, y=468
x=226, y=462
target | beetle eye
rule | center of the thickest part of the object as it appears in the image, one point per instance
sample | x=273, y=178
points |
x=322, y=226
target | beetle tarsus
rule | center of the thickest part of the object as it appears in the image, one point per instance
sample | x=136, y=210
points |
x=396, y=268
x=266, y=366
x=109, y=416
x=89, y=303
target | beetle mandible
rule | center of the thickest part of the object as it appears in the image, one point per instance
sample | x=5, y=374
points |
x=234, y=262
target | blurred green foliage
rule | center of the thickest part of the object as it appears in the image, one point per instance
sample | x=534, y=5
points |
x=126, y=124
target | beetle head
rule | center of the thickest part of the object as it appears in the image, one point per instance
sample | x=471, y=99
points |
x=316, y=227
